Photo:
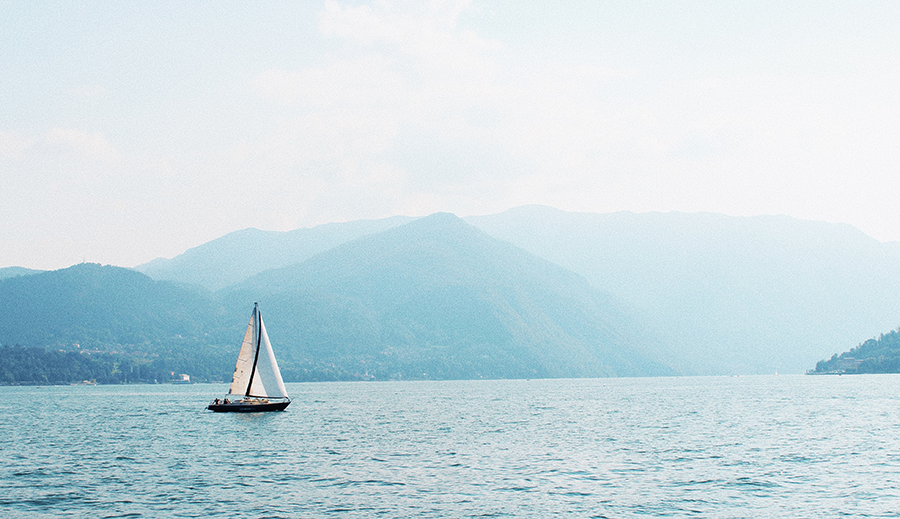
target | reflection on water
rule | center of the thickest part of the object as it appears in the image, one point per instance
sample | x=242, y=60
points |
x=792, y=446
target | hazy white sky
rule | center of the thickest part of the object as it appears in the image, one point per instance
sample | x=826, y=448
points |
x=133, y=130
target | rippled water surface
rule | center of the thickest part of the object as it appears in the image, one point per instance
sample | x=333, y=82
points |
x=789, y=446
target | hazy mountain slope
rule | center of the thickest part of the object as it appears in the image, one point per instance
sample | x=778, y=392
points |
x=108, y=324
x=14, y=272
x=440, y=299
x=241, y=254
x=100, y=307
x=740, y=295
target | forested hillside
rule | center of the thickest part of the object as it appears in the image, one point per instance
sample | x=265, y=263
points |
x=881, y=355
x=534, y=292
x=102, y=307
x=437, y=298
x=43, y=366
x=109, y=324
x=433, y=299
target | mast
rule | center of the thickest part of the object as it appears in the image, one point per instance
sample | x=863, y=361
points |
x=258, y=330
x=256, y=371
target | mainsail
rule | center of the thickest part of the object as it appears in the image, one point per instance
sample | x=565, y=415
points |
x=256, y=373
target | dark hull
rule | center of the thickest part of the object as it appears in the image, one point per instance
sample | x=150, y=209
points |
x=238, y=407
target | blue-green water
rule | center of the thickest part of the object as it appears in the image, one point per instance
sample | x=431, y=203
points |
x=789, y=446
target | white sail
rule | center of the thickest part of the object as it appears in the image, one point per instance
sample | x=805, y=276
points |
x=243, y=369
x=264, y=381
x=267, y=381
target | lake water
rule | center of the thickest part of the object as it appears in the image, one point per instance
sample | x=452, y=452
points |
x=778, y=446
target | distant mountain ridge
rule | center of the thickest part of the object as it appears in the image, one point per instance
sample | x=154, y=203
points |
x=238, y=255
x=99, y=306
x=434, y=298
x=437, y=298
x=736, y=294
x=14, y=272
x=108, y=324
x=690, y=293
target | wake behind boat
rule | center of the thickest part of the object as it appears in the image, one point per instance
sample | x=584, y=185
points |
x=256, y=385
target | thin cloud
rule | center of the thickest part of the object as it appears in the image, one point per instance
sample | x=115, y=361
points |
x=87, y=92
x=88, y=145
x=411, y=82
x=13, y=145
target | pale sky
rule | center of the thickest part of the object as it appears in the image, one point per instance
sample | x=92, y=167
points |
x=136, y=130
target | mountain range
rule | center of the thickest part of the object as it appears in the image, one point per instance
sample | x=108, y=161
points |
x=726, y=295
x=432, y=298
x=531, y=292
x=438, y=298
x=241, y=254
x=732, y=295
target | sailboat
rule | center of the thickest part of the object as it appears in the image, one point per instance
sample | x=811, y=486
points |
x=256, y=385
